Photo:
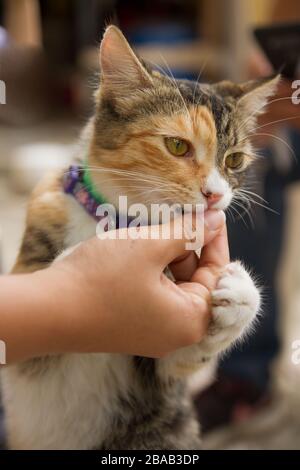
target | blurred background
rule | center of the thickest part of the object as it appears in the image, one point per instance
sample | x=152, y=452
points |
x=49, y=64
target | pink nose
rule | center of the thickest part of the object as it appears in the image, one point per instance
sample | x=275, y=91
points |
x=212, y=198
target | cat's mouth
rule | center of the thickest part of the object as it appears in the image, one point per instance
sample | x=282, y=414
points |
x=202, y=205
x=218, y=201
x=221, y=202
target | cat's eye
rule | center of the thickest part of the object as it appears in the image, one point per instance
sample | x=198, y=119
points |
x=177, y=147
x=235, y=161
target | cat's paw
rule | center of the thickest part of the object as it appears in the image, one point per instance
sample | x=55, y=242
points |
x=235, y=303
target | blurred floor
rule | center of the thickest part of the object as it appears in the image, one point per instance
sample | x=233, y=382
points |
x=279, y=426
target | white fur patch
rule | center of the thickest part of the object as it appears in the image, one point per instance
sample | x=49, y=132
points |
x=70, y=407
x=216, y=184
x=82, y=225
x=48, y=197
x=235, y=304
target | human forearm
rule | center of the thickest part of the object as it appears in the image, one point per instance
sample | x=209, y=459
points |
x=29, y=321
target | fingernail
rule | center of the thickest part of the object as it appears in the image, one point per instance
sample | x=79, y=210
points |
x=214, y=219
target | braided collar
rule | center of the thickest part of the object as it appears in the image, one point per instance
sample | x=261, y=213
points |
x=77, y=183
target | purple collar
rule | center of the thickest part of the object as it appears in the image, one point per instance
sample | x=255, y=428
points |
x=74, y=183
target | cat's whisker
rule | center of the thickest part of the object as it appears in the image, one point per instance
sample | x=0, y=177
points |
x=142, y=191
x=129, y=177
x=251, y=193
x=282, y=141
x=247, y=209
x=172, y=78
x=133, y=175
x=159, y=68
x=248, y=192
x=197, y=81
x=245, y=197
x=167, y=188
x=228, y=210
x=126, y=181
x=262, y=205
x=275, y=137
x=150, y=189
x=159, y=183
x=121, y=171
x=276, y=122
x=145, y=195
x=256, y=111
x=239, y=215
x=170, y=189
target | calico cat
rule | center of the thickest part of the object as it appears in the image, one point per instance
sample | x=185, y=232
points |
x=153, y=139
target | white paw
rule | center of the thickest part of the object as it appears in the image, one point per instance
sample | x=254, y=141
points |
x=235, y=304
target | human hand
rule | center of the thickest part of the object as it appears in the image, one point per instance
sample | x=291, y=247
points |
x=118, y=300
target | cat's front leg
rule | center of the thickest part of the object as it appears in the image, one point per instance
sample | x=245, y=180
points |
x=235, y=303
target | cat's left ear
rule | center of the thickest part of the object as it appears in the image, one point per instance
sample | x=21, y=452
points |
x=255, y=94
x=121, y=70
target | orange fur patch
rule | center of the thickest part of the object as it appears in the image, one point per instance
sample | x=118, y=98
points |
x=144, y=154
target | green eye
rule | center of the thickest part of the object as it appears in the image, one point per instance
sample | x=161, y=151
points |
x=177, y=147
x=234, y=161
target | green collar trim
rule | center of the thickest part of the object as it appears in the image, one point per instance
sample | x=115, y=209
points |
x=87, y=180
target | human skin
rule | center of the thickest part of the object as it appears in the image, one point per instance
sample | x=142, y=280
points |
x=113, y=296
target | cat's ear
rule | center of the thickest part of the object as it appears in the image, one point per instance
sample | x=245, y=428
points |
x=255, y=95
x=252, y=96
x=121, y=70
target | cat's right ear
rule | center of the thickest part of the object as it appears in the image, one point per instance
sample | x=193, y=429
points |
x=121, y=70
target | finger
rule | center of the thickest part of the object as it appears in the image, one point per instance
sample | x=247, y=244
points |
x=214, y=221
x=214, y=257
x=175, y=242
x=187, y=306
x=184, y=267
x=216, y=252
x=198, y=309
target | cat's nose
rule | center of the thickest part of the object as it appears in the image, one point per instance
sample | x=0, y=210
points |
x=212, y=198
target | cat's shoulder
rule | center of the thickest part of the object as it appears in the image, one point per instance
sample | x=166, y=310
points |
x=45, y=226
x=47, y=201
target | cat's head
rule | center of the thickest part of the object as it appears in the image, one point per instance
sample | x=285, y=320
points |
x=156, y=139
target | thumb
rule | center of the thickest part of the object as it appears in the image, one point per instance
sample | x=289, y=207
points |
x=214, y=256
x=216, y=252
x=214, y=221
x=175, y=246
x=185, y=265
